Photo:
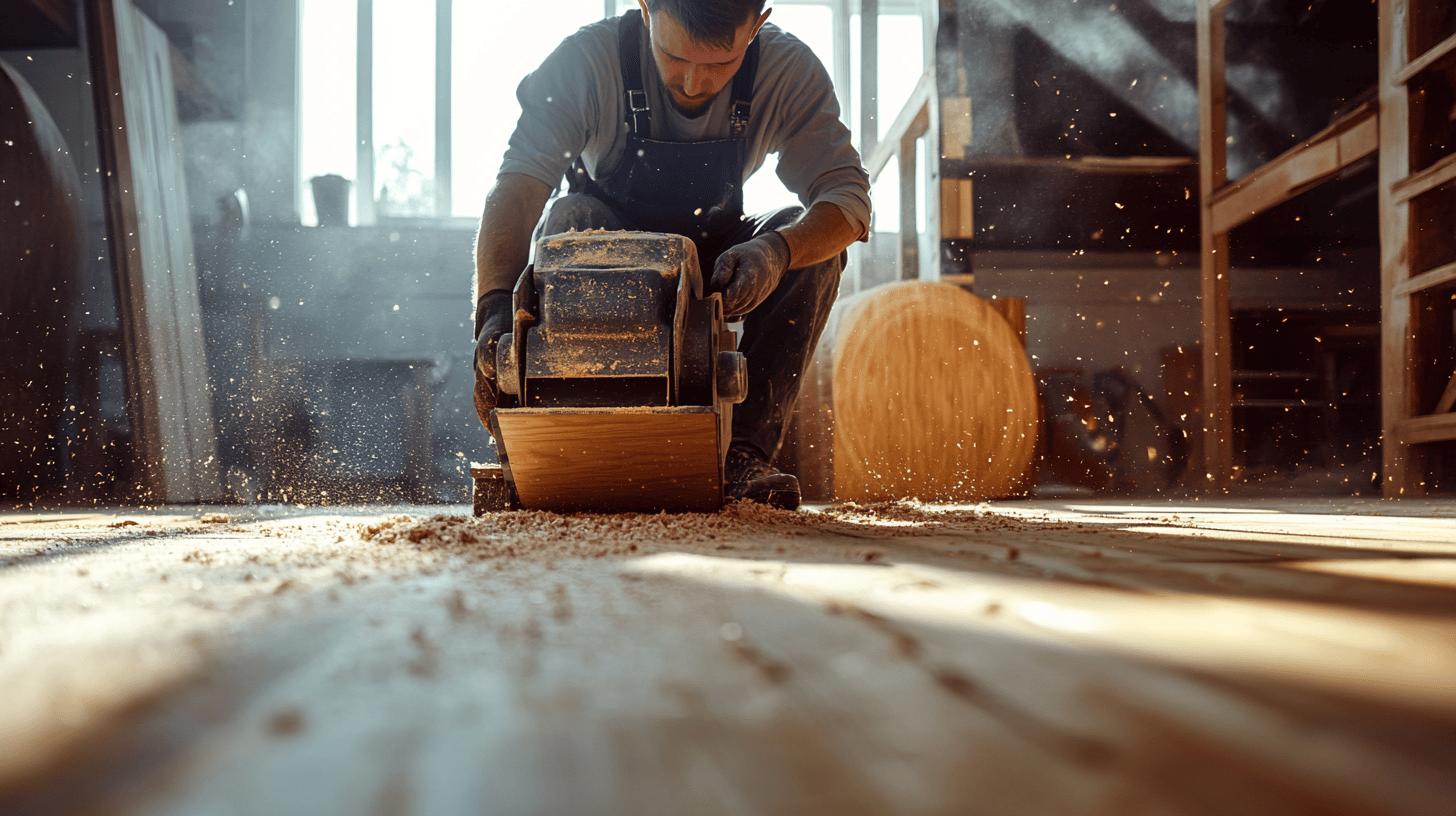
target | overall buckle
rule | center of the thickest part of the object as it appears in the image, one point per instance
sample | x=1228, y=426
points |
x=639, y=111
x=742, y=111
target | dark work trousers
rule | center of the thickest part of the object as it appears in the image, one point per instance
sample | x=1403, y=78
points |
x=778, y=337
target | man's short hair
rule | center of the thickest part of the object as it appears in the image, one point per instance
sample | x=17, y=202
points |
x=713, y=22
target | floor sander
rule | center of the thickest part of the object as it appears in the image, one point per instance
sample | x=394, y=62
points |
x=617, y=382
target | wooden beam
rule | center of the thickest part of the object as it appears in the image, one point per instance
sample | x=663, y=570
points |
x=909, y=210
x=1440, y=276
x=912, y=121
x=1415, y=184
x=1400, y=463
x=1423, y=430
x=1448, y=397
x=1441, y=50
x=1217, y=347
x=1317, y=159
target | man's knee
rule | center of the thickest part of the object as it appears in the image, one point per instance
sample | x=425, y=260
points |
x=578, y=211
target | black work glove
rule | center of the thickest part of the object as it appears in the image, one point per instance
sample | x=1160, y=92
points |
x=494, y=314
x=748, y=273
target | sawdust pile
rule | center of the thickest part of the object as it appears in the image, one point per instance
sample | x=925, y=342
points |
x=590, y=535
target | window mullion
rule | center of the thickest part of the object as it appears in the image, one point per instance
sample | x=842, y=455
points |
x=444, y=134
x=364, y=188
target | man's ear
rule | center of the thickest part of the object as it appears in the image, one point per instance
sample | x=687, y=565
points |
x=763, y=18
x=646, y=15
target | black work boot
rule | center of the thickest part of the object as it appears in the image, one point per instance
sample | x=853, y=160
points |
x=749, y=476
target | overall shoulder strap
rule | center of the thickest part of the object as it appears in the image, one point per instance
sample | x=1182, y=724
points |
x=629, y=49
x=743, y=90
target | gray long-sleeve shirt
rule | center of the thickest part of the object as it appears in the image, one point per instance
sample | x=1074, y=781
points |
x=574, y=104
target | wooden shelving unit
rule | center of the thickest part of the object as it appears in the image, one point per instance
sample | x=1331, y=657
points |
x=1417, y=42
x=1224, y=206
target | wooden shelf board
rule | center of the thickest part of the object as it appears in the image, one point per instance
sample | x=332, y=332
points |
x=1426, y=429
x=1426, y=180
x=1279, y=403
x=1119, y=165
x=1440, y=51
x=1301, y=376
x=1322, y=156
x=1440, y=276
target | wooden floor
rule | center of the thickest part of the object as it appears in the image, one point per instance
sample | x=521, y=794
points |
x=1036, y=658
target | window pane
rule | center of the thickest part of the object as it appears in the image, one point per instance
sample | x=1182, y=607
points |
x=328, y=95
x=404, y=107
x=901, y=63
x=814, y=24
x=495, y=45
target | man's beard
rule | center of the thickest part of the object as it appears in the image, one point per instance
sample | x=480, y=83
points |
x=693, y=112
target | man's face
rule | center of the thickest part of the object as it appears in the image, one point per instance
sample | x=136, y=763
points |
x=695, y=72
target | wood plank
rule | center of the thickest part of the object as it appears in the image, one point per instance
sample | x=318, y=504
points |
x=1317, y=159
x=957, y=209
x=912, y=122
x=1425, y=429
x=1440, y=276
x=1027, y=655
x=1437, y=53
x=1448, y=397
x=1400, y=464
x=609, y=459
x=149, y=223
x=1216, y=343
x=1440, y=173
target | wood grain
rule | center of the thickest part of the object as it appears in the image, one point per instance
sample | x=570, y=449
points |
x=1253, y=657
x=607, y=459
x=1217, y=346
x=1402, y=463
x=930, y=396
x=148, y=219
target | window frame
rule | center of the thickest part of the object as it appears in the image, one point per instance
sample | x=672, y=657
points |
x=842, y=73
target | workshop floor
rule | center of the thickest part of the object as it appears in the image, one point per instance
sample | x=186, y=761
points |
x=1023, y=657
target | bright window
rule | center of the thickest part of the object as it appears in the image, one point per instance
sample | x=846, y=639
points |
x=421, y=169
x=328, y=92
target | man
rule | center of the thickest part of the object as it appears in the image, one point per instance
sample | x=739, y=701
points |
x=656, y=119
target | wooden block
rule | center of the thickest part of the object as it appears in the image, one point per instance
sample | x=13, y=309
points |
x=614, y=459
x=920, y=390
x=957, y=209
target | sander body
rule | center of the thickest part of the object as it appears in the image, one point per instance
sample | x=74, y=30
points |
x=617, y=381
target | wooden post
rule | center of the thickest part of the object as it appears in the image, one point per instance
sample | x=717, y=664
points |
x=1400, y=460
x=1213, y=174
x=909, y=209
